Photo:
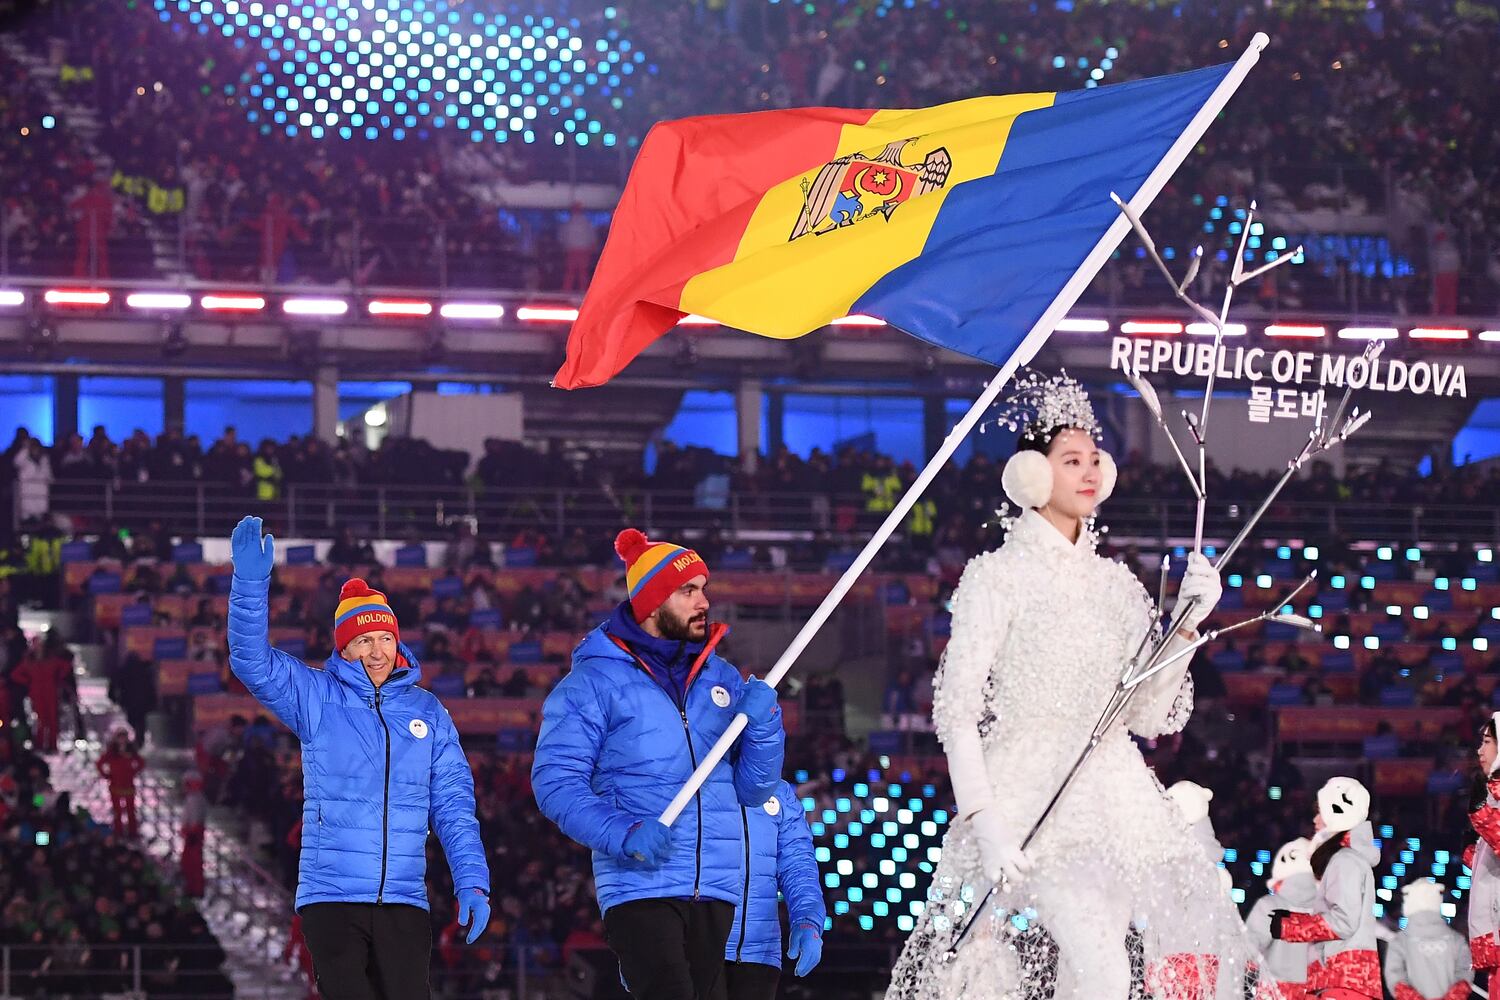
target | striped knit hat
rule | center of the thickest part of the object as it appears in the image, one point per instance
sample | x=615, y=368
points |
x=361, y=610
x=654, y=569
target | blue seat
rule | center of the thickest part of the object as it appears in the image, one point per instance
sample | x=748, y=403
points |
x=1334, y=600
x=206, y=683
x=1447, y=663
x=1280, y=632
x=1381, y=570
x=839, y=561
x=1233, y=600
x=1284, y=694
x=740, y=559
x=412, y=556
x=1444, y=783
x=417, y=645
x=169, y=647
x=1438, y=600
x=447, y=586
x=1484, y=572
x=514, y=740
x=520, y=557
x=301, y=555
x=448, y=686
x=1390, y=630
x=1382, y=747
x=1393, y=696
x=524, y=652
x=220, y=583
x=483, y=618
x=72, y=552
x=135, y=614
x=897, y=593
x=104, y=583
x=1490, y=630
x=887, y=741
x=187, y=552
x=1228, y=659
x=1338, y=661
x=295, y=646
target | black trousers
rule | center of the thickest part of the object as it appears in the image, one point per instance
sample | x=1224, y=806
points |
x=361, y=951
x=670, y=949
x=751, y=980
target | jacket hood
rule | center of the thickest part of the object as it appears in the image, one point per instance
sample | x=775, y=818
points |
x=353, y=674
x=1361, y=840
x=1298, y=889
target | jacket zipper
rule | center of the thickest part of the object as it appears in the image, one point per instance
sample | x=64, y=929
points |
x=697, y=801
x=385, y=808
x=739, y=949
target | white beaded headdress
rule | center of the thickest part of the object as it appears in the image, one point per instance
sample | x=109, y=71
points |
x=1040, y=404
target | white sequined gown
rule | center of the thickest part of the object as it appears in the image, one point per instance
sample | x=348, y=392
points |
x=1042, y=629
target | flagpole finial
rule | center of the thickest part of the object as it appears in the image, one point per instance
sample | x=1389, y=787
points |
x=1260, y=41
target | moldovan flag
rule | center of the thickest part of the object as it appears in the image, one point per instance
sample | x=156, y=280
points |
x=958, y=224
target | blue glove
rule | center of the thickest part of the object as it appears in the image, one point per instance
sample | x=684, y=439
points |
x=806, y=947
x=757, y=701
x=253, y=557
x=473, y=912
x=649, y=841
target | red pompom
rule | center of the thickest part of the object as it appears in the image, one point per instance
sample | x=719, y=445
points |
x=354, y=587
x=630, y=544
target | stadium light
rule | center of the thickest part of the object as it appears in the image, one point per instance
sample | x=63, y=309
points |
x=1150, y=326
x=1072, y=324
x=89, y=297
x=1368, y=333
x=1489, y=336
x=12, y=297
x=315, y=307
x=546, y=314
x=472, y=310
x=158, y=300
x=1296, y=330
x=232, y=303
x=1207, y=329
x=1437, y=333
x=399, y=307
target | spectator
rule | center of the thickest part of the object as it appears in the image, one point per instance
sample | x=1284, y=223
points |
x=47, y=675
x=119, y=765
x=33, y=482
x=194, y=818
x=580, y=243
x=133, y=688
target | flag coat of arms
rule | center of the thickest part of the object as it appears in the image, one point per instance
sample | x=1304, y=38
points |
x=958, y=224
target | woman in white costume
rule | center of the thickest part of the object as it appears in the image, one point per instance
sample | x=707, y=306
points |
x=1042, y=630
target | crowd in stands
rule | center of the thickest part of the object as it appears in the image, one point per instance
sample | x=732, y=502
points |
x=839, y=495
x=1351, y=110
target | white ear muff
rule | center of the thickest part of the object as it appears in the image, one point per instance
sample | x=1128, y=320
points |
x=1027, y=479
x=1108, y=473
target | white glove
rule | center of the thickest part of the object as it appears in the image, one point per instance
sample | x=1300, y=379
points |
x=1201, y=588
x=999, y=851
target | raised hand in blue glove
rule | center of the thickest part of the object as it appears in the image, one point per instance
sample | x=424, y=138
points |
x=473, y=912
x=649, y=841
x=253, y=556
x=806, y=946
x=757, y=701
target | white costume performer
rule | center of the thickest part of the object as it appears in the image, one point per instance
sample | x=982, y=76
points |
x=1341, y=928
x=1042, y=630
x=1294, y=889
x=1428, y=960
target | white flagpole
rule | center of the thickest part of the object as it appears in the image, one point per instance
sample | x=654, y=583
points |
x=1033, y=342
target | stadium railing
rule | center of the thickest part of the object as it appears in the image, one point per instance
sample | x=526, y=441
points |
x=198, y=509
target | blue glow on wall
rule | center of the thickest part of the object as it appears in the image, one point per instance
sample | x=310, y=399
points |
x=121, y=405
x=26, y=401
x=256, y=409
x=1480, y=437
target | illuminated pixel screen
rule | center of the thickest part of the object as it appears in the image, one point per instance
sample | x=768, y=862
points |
x=376, y=68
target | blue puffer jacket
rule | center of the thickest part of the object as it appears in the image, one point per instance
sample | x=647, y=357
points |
x=377, y=768
x=614, y=749
x=780, y=853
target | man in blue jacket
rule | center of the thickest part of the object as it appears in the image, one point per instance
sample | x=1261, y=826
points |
x=779, y=852
x=622, y=732
x=381, y=762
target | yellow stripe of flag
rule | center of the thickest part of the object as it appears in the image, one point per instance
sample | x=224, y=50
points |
x=782, y=288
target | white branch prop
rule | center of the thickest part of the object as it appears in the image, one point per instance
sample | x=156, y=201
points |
x=1032, y=343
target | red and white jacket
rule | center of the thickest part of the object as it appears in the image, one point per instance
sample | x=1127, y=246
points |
x=1484, y=894
x=1342, y=927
